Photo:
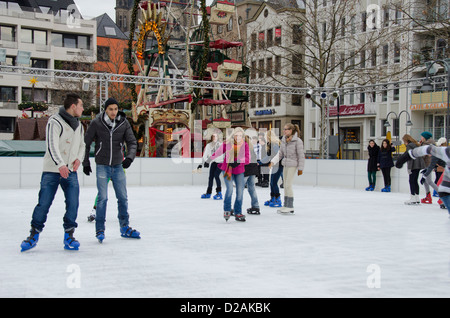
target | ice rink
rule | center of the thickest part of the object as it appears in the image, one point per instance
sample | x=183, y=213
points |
x=339, y=243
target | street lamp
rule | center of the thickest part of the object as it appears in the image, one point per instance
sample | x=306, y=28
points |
x=408, y=121
x=427, y=87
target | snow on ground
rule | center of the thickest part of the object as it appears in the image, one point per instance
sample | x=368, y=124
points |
x=340, y=243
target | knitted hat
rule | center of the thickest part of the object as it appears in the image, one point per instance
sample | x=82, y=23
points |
x=111, y=101
x=427, y=135
x=441, y=141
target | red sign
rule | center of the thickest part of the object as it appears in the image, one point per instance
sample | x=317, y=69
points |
x=278, y=33
x=261, y=36
x=347, y=110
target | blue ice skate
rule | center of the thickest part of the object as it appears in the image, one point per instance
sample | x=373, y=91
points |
x=276, y=203
x=268, y=202
x=70, y=243
x=100, y=235
x=128, y=232
x=218, y=196
x=31, y=240
x=206, y=195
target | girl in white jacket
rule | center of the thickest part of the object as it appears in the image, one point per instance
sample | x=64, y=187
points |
x=293, y=160
x=214, y=171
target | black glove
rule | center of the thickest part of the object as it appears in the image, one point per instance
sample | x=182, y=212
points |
x=401, y=161
x=87, y=170
x=422, y=181
x=206, y=165
x=199, y=167
x=234, y=164
x=127, y=163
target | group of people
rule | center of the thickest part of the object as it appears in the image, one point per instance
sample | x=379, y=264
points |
x=67, y=148
x=237, y=160
x=380, y=158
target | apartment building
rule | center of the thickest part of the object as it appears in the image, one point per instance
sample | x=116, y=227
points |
x=274, y=55
x=41, y=34
x=375, y=43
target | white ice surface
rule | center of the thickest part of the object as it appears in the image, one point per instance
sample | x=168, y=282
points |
x=340, y=243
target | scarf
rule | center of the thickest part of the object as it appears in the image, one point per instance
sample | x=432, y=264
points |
x=233, y=154
x=109, y=122
x=69, y=119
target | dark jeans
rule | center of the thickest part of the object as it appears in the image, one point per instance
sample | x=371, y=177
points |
x=214, y=174
x=386, y=176
x=413, y=184
x=50, y=182
x=277, y=172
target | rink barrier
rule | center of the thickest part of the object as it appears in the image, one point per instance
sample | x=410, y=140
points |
x=25, y=172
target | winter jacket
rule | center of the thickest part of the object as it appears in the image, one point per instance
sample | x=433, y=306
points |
x=417, y=163
x=64, y=144
x=211, y=148
x=372, y=163
x=243, y=157
x=291, y=153
x=385, y=158
x=442, y=153
x=252, y=169
x=109, y=142
x=427, y=158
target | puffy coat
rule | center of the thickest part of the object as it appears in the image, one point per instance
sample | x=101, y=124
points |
x=291, y=153
x=109, y=142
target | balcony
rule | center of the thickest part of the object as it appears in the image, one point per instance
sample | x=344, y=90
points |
x=429, y=101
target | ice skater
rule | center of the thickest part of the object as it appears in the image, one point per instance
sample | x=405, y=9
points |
x=385, y=163
x=64, y=152
x=426, y=179
x=250, y=173
x=442, y=153
x=111, y=130
x=372, y=164
x=237, y=155
x=214, y=171
x=293, y=160
x=272, y=148
x=426, y=139
x=414, y=166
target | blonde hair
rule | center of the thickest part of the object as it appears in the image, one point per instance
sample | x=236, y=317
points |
x=294, y=128
x=271, y=137
x=408, y=139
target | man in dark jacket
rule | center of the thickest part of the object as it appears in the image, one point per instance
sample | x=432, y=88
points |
x=111, y=131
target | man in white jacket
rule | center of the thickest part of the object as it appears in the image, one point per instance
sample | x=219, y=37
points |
x=64, y=152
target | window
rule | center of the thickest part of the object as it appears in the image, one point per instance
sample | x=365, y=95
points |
x=386, y=17
x=7, y=124
x=383, y=128
x=57, y=39
x=362, y=98
x=372, y=128
x=324, y=31
x=72, y=41
x=110, y=31
x=277, y=65
x=385, y=54
x=277, y=99
x=373, y=57
x=103, y=53
x=362, y=59
x=253, y=70
x=7, y=94
x=363, y=22
x=268, y=99
x=252, y=99
x=342, y=62
x=38, y=95
x=269, y=37
x=260, y=99
x=396, y=53
x=7, y=33
x=83, y=42
x=296, y=100
x=38, y=63
x=353, y=24
x=297, y=34
x=261, y=40
x=219, y=29
x=230, y=24
x=278, y=35
x=253, y=42
x=33, y=36
x=269, y=66
x=296, y=64
x=343, y=27
x=261, y=69
x=384, y=96
x=396, y=95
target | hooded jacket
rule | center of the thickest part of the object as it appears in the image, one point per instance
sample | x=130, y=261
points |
x=291, y=153
x=109, y=138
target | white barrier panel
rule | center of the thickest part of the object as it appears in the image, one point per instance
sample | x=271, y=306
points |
x=25, y=172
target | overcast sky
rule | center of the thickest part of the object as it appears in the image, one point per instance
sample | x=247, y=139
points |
x=91, y=8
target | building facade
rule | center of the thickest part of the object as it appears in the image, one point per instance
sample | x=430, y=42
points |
x=43, y=36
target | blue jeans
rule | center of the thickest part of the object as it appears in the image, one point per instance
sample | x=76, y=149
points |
x=50, y=182
x=277, y=172
x=446, y=201
x=238, y=179
x=250, y=182
x=117, y=176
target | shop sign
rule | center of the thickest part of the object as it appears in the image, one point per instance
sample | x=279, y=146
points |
x=347, y=110
x=264, y=112
x=428, y=106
